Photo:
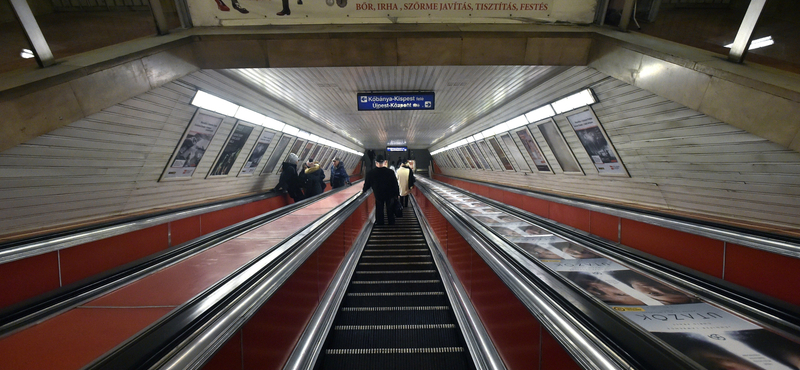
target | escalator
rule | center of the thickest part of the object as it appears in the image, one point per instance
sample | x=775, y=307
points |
x=395, y=313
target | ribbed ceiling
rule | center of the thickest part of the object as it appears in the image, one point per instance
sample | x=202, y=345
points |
x=327, y=96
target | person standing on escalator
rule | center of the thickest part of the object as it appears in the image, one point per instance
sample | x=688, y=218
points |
x=384, y=186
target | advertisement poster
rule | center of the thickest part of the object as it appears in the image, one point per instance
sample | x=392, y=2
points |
x=262, y=144
x=533, y=150
x=257, y=13
x=193, y=146
x=500, y=154
x=515, y=153
x=715, y=338
x=276, y=154
x=559, y=147
x=488, y=154
x=480, y=156
x=592, y=137
x=463, y=151
x=231, y=150
x=298, y=144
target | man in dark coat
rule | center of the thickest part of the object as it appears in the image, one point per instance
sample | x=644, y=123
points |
x=339, y=175
x=289, y=181
x=384, y=187
x=312, y=179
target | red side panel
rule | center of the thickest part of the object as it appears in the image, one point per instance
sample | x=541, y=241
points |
x=495, y=193
x=514, y=331
x=573, y=216
x=604, y=226
x=515, y=199
x=271, y=334
x=460, y=254
x=229, y=357
x=696, y=252
x=554, y=356
x=91, y=258
x=536, y=206
x=330, y=255
x=183, y=230
x=213, y=221
x=27, y=278
x=765, y=272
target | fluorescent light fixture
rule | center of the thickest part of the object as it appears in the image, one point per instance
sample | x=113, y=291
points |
x=488, y=133
x=304, y=135
x=516, y=122
x=757, y=43
x=540, y=113
x=469, y=139
x=291, y=130
x=478, y=136
x=250, y=116
x=314, y=138
x=574, y=101
x=273, y=124
x=503, y=127
x=26, y=54
x=207, y=101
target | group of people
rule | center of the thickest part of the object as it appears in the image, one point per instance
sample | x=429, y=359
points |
x=310, y=180
x=389, y=186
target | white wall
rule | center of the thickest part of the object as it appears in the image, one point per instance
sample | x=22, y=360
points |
x=679, y=159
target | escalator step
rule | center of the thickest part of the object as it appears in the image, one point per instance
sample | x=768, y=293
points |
x=397, y=274
x=418, y=286
x=399, y=315
x=394, y=336
x=445, y=358
x=436, y=299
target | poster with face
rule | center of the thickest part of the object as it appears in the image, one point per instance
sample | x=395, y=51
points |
x=262, y=144
x=230, y=151
x=194, y=144
x=594, y=140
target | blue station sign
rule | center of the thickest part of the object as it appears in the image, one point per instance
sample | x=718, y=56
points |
x=395, y=101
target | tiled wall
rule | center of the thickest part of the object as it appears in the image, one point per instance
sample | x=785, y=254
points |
x=772, y=274
x=520, y=339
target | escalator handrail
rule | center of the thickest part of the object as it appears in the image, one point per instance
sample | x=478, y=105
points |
x=17, y=250
x=589, y=344
x=190, y=335
x=779, y=244
x=484, y=354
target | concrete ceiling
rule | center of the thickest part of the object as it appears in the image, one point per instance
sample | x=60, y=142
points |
x=327, y=96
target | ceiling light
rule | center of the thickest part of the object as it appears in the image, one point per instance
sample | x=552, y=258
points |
x=290, y=130
x=574, y=101
x=26, y=54
x=539, y=114
x=516, y=122
x=207, y=101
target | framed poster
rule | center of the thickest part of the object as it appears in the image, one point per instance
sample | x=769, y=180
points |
x=192, y=146
x=315, y=153
x=530, y=145
x=474, y=157
x=596, y=142
x=514, y=150
x=465, y=157
x=306, y=152
x=323, y=156
x=262, y=144
x=500, y=154
x=480, y=157
x=230, y=151
x=456, y=163
x=277, y=154
x=562, y=152
x=488, y=153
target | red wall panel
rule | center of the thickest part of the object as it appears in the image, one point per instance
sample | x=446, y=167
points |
x=271, y=334
x=573, y=216
x=515, y=199
x=183, y=230
x=604, y=226
x=536, y=206
x=514, y=331
x=460, y=255
x=693, y=251
x=92, y=258
x=494, y=193
x=554, y=356
x=27, y=278
x=330, y=255
x=766, y=272
x=229, y=357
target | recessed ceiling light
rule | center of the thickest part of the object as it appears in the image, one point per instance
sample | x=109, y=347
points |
x=26, y=54
x=757, y=43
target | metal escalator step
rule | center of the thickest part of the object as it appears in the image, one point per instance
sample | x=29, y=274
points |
x=398, y=338
x=370, y=287
x=398, y=256
x=393, y=300
x=382, y=275
x=383, y=250
x=396, y=361
x=393, y=316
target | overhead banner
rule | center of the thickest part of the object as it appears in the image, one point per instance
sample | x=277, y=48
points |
x=259, y=12
x=396, y=101
x=193, y=146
